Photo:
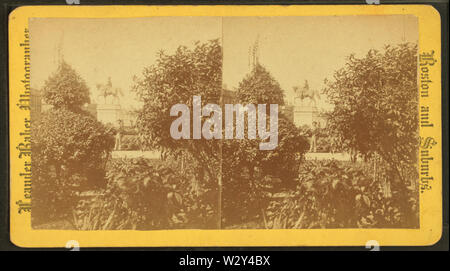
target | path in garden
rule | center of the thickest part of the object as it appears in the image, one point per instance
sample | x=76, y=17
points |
x=156, y=155
x=342, y=156
x=136, y=154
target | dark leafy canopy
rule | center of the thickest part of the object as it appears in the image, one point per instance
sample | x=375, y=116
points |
x=65, y=88
x=76, y=141
x=175, y=79
x=376, y=105
x=69, y=154
x=284, y=161
x=70, y=147
x=150, y=190
x=248, y=172
x=332, y=194
x=259, y=87
x=66, y=135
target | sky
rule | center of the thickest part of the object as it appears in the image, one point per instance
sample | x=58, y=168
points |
x=293, y=49
x=116, y=48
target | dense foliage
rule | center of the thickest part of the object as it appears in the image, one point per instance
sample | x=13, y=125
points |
x=259, y=87
x=145, y=194
x=70, y=147
x=175, y=79
x=375, y=102
x=69, y=155
x=65, y=88
x=131, y=143
x=375, y=113
x=333, y=194
x=247, y=171
x=198, y=183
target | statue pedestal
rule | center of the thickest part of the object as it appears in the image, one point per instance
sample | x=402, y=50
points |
x=304, y=115
x=305, y=112
x=108, y=113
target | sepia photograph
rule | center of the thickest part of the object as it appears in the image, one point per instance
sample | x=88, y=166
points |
x=176, y=122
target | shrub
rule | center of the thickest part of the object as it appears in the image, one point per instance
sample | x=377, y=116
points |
x=148, y=194
x=244, y=199
x=324, y=144
x=131, y=143
x=144, y=193
x=199, y=192
x=375, y=106
x=69, y=154
x=340, y=195
x=249, y=172
x=70, y=147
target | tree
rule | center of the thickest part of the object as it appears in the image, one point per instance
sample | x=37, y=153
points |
x=375, y=102
x=375, y=111
x=175, y=79
x=65, y=88
x=70, y=147
x=247, y=171
x=259, y=87
x=284, y=161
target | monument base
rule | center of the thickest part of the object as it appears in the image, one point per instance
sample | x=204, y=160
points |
x=302, y=118
x=108, y=113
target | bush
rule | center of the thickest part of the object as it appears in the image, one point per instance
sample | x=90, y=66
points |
x=341, y=195
x=145, y=194
x=324, y=144
x=244, y=199
x=375, y=107
x=248, y=172
x=199, y=191
x=70, y=147
x=131, y=143
x=69, y=154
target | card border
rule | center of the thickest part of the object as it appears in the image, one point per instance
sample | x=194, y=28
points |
x=430, y=230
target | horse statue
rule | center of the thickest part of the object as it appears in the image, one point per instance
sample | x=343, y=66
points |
x=305, y=92
x=107, y=90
